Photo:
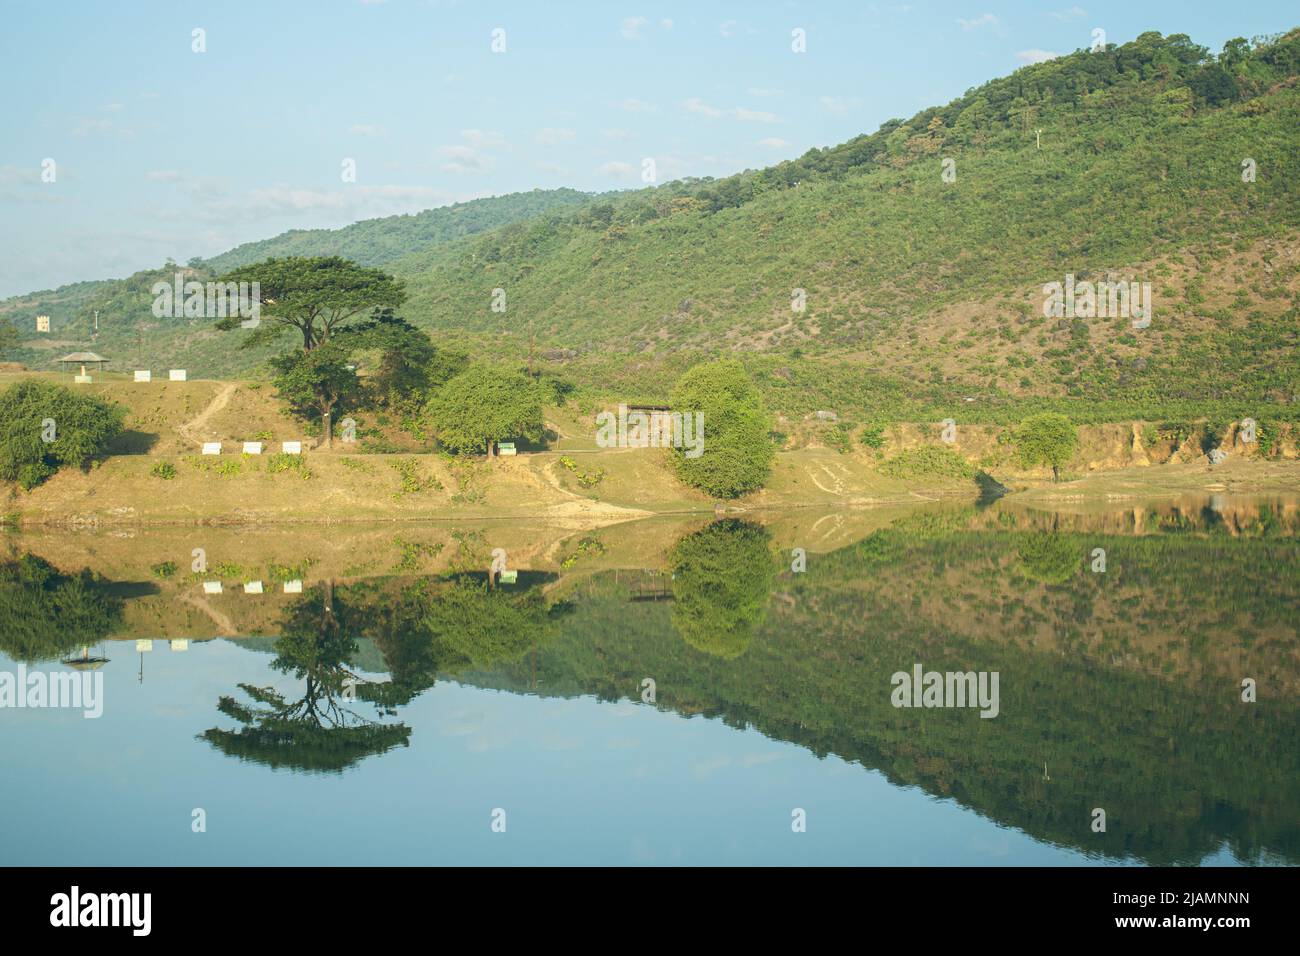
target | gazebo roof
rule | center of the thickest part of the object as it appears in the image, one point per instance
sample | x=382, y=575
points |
x=82, y=357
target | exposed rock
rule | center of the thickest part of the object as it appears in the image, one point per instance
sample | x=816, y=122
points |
x=1217, y=456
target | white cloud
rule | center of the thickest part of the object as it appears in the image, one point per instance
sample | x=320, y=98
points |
x=637, y=106
x=838, y=104
x=631, y=27
x=773, y=142
x=729, y=28
x=550, y=136
x=987, y=20
x=1073, y=13
x=666, y=23
x=461, y=159
x=1036, y=56
x=616, y=169
x=697, y=105
x=480, y=138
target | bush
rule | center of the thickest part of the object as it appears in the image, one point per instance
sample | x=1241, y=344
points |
x=164, y=470
x=873, y=436
x=737, y=453
x=79, y=428
x=929, y=461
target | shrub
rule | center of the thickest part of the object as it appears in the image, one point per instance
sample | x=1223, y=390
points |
x=928, y=461
x=164, y=470
x=44, y=426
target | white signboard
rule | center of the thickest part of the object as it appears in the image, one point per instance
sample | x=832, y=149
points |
x=252, y=448
x=211, y=587
x=293, y=587
x=145, y=376
x=176, y=375
x=291, y=447
x=212, y=448
x=252, y=587
x=180, y=645
x=144, y=646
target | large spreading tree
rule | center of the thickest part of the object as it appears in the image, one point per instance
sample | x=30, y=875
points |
x=316, y=296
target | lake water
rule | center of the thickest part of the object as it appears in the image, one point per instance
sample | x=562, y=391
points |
x=681, y=692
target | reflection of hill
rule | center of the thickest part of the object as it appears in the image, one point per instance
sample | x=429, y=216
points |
x=1178, y=762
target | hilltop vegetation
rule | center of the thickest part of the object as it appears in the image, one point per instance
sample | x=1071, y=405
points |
x=860, y=277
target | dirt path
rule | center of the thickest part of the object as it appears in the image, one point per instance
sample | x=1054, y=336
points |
x=226, y=625
x=219, y=401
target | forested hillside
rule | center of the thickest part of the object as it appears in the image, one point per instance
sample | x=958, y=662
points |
x=900, y=273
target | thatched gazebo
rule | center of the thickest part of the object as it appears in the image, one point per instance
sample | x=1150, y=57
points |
x=83, y=359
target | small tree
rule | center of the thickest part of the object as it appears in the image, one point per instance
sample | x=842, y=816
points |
x=314, y=295
x=44, y=426
x=1047, y=439
x=484, y=405
x=737, y=450
x=316, y=382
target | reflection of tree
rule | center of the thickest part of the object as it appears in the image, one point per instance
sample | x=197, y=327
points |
x=448, y=624
x=45, y=613
x=316, y=731
x=722, y=579
x=1050, y=558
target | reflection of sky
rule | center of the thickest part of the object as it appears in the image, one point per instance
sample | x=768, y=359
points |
x=582, y=782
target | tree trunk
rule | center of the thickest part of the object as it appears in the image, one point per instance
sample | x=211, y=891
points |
x=328, y=419
x=1056, y=473
x=489, y=450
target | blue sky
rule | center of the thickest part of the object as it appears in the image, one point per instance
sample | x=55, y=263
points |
x=161, y=151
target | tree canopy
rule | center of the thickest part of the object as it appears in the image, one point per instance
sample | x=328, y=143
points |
x=484, y=405
x=314, y=295
x=722, y=582
x=44, y=426
x=319, y=382
x=44, y=612
x=1046, y=439
x=737, y=453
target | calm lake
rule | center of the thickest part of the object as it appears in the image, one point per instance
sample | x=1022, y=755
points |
x=665, y=692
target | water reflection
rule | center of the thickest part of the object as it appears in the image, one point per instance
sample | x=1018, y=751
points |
x=1121, y=688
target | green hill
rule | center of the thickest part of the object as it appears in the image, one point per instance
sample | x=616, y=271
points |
x=924, y=292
